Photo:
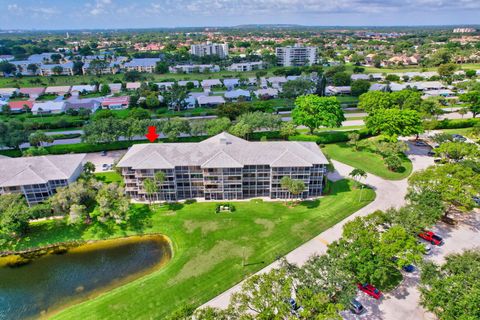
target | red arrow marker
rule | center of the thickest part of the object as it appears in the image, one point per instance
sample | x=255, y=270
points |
x=152, y=133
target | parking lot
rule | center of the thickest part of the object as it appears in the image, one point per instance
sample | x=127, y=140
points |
x=403, y=302
x=99, y=160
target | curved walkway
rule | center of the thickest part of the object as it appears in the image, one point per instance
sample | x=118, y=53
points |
x=388, y=194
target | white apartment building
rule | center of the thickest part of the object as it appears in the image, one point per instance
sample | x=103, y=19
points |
x=296, y=56
x=246, y=66
x=209, y=49
x=194, y=68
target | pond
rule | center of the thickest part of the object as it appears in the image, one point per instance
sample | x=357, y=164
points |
x=54, y=281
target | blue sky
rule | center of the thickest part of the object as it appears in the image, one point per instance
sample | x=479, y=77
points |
x=75, y=14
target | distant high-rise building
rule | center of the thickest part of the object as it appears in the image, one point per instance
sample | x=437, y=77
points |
x=209, y=49
x=296, y=56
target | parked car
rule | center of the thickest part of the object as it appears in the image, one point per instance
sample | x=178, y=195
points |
x=431, y=237
x=356, y=307
x=448, y=220
x=428, y=249
x=294, y=307
x=421, y=143
x=370, y=290
x=437, y=160
x=458, y=138
x=431, y=153
x=407, y=268
x=476, y=200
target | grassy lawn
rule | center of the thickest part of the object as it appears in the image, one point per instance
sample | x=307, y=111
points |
x=212, y=251
x=367, y=160
x=109, y=177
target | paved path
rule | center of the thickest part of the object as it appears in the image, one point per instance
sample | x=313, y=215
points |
x=389, y=194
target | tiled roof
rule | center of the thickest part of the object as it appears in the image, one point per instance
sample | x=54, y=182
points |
x=223, y=151
x=33, y=170
x=18, y=105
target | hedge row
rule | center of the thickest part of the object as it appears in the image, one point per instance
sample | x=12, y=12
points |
x=454, y=123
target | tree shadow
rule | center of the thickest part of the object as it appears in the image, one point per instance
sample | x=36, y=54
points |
x=310, y=204
x=140, y=218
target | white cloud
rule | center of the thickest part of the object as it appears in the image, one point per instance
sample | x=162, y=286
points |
x=100, y=7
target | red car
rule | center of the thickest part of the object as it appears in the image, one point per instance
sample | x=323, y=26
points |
x=431, y=237
x=370, y=290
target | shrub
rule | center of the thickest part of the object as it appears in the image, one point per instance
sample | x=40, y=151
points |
x=224, y=207
x=393, y=162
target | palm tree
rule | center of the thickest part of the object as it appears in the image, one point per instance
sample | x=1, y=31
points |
x=357, y=175
x=150, y=188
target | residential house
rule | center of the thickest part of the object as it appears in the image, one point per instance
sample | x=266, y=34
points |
x=19, y=106
x=38, y=178
x=183, y=83
x=33, y=93
x=91, y=104
x=238, y=94
x=276, y=82
x=224, y=167
x=230, y=84
x=208, y=83
x=58, y=90
x=48, y=107
x=210, y=101
x=115, y=103
x=266, y=93
x=80, y=89
x=165, y=85
x=22, y=67
x=6, y=93
x=114, y=87
x=142, y=65
x=378, y=87
x=133, y=85
x=337, y=90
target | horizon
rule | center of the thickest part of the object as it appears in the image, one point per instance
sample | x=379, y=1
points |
x=155, y=14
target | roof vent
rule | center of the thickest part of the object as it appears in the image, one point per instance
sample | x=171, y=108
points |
x=224, y=141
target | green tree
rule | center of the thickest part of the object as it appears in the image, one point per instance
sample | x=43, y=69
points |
x=394, y=122
x=33, y=68
x=353, y=139
x=112, y=204
x=57, y=70
x=12, y=134
x=313, y=112
x=447, y=70
x=151, y=188
x=358, y=174
x=374, y=100
x=161, y=67
x=174, y=127
x=98, y=65
x=472, y=101
x=6, y=110
x=233, y=110
x=7, y=67
x=455, y=183
x=152, y=101
x=288, y=129
x=139, y=114
x=13, y=216
x=341, y=79
x=295, y=88
x=457, y=151
x=34, y=152
x=393, y=162
x=37, y=138
x=360, y=87
x=175, y=97
x=105, y=89
x=450, y=291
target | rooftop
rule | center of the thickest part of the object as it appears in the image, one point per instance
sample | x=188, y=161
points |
x=35, y=170
x=223, y=151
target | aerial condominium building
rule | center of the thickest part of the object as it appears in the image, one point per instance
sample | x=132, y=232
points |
x=296, y=56
x=209, y=49
x=38, y=178
x=223, y=167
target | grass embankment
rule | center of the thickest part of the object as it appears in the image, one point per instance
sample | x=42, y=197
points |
x=212, y=252
x=364, y=158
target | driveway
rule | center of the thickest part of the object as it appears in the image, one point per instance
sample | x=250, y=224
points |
x=98, y=160
x=388, y=194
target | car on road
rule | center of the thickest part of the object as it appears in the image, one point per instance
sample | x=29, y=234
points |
x=431, y=153
x=431, y=237
x=458, y=138
x=370, y=290
x=428, y=249
x=356, y=307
